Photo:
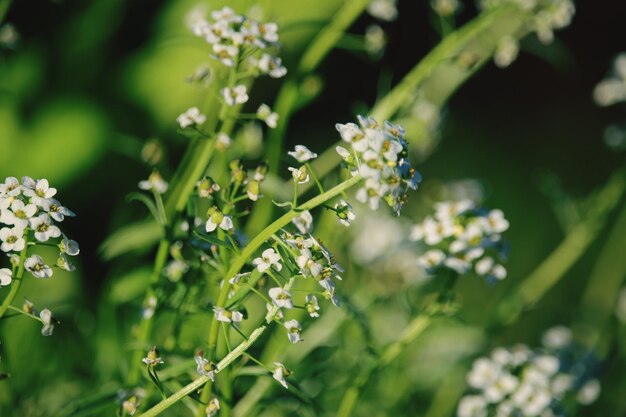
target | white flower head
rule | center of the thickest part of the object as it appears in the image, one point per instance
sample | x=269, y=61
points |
x=300, y=175
x=268, y=259
x=5, y=277
x=204, y=366
x=265, y=114
x=280, y=373
x=304, y=222
x=36, y=266
x=213, y=407
x=235, y=95
x=56, y=210
x=375, y=39
x=18, y=214
x=12, y=239
x=312, y=306
x=302, y=154
x=281, y=297
x=192, y=117
x=227, y=316
x=153, y=358
x=48, y=322
x=271, y=66
x=154, y=183
x=293, y=330
x=344, y=211
x=43, y=228
x=218, y=219
x=383, y=9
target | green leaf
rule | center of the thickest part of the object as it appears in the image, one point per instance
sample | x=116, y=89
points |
x=141, y=235
x=130, y=286
x=142, y=198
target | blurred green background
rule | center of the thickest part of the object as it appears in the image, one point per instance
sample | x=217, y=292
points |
x=91, y=81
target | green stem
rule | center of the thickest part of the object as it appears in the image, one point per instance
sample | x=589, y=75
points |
x=146, y=325
x=17, y=282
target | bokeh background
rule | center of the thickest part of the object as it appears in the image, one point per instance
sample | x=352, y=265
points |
x=90, y=82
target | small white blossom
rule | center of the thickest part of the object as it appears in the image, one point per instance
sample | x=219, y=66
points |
x=18, y=214
x=153, y=358
x=280, y=373
x=36, y=266
x=204, y=366
x=5, y=277
x=48, y=322
x=43, y=228
x=300, y=175
x=272, y=66
x=227, y=316
x=268, y=259
x=383, y=9
x=154, y=183
x=304, y=222
x=344, y=212
x=217, y=219
x=265, y=114
x=236, y=95
x=213, y=407
x=56, y=210
x=506, y=51
x=589, y=392
x=375, y=39
x=12, y=239
x=191, y=117
x=281, y=297
x=302, y=154
x=293, y=331
x=311, y=305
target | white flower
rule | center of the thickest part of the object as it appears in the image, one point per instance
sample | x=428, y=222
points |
x=383, y=9
x=204, y=366
x=344, y=212
x=445, y=7
x=225, y=53
x=64, y=263
x=39, y=191
x=272, y=66
x=36, y=266
x=557, y=337
x=280, y=373
x=69, y=246
x=190, y=118
x=5, y=277
x=488, y=268
x=43, y=228
x=11, y=187
x=227, y=316
x=223, y=140
x=12, y=239
x=265, y=114
x=293, y=331
x=56, y=210
x=375, y=39
x=472, y=406
x=304, y=222
x=18, y=214
x=217, y=219
x=302, y=154
x=48, y=322
x=154, y=183
x=484, y=373
x=311, y=305
x=300, y=175
x=281, y=297
x=308, y=265
x=589, y=392
x=236, y=95
x=213, y=407
x=153, y=358
x=431, y=259
x=506, y=51
x=269, y=258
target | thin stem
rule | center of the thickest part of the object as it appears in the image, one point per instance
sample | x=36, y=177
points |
x=317, y=181
x=17, y=281
x=147, y=323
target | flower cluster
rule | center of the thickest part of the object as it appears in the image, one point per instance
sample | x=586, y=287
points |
x=379, y=154
x=460, y=236
x=546, y=16
x=237, y=41
x=29, y=214
x=523, y=382
x=612, y=89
